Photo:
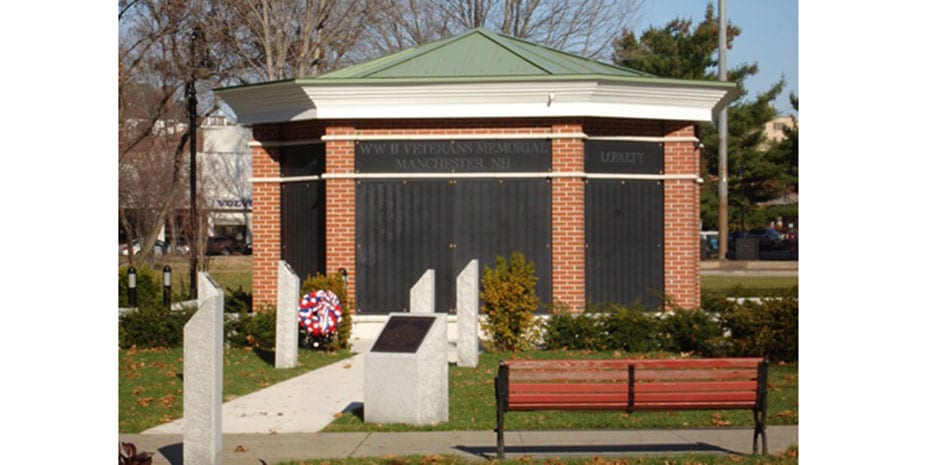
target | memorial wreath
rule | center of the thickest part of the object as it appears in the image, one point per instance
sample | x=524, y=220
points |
x=319, y=316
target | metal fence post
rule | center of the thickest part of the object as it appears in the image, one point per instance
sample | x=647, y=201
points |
x=167, y=282
x=132, y=287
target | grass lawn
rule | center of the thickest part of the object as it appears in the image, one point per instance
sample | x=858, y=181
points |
x=790, y=457
x=150, y=385
x=472, y=405
x=748, y=286
x=235, y=270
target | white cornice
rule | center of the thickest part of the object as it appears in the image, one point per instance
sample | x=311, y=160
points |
x=297, y=101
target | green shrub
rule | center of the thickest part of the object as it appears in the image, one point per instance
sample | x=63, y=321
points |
x=697, y=331
x=149, y=289
x=576, y=331
x=509, y=302
x=256, y=330
x=153, y=326
x=630, y=329
x=332, y=282
x=237, y=300
x=766, y=329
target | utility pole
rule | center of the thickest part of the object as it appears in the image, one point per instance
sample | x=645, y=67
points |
x=722, y=138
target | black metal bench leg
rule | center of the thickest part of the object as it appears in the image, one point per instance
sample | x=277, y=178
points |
x=500, y=444
x=501, y=383
x=760, y=429
x=760, y=412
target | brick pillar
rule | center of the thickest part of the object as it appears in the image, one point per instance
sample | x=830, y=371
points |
x=341, y=208
x=681, y=203
x=266, y=224
x=568, y=219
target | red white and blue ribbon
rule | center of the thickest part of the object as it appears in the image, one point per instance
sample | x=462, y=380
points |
x=320, y=313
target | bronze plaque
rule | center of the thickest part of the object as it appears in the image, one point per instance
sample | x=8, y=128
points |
x=403, y=334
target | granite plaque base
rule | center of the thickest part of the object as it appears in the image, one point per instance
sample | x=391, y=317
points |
x=406, y=372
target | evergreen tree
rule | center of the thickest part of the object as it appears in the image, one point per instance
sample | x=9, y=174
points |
x=681, y=50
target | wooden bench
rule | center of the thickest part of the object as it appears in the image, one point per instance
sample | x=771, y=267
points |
x=633, y=385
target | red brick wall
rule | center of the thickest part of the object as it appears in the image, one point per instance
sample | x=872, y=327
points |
x=341, y=208
x=568, y=219
x=266, y=220
x=682, y=218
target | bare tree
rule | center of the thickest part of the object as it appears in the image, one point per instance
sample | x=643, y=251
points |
x=282, y=39
x=585, y=28
x=156, y=60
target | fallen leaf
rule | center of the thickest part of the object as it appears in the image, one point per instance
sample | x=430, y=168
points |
x=144, y=401
x=240, y=448
x=138, y=390
x=718, y=421
x=337, y=415
x=168, y=400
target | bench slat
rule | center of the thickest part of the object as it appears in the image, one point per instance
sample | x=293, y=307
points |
x=698, y=363
x=620, y=406
x=568, y=399
x=667, y=375
x=693, y=406
x=695, y=397
x=574, y=376
x=696, y=386
x=590, y=365
x=523, y=388
x=621, y=376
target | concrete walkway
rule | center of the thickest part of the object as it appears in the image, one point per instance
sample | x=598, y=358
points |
x=245, y=449
x=282, y=423
x=303, y=404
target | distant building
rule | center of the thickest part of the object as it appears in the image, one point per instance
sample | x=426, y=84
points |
x=223, y=161
x=225, y=164
x=774, y=129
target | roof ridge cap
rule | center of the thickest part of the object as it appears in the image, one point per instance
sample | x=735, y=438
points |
x=489, y=36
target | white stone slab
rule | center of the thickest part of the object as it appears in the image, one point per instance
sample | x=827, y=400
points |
x=468, y=315
x=422, y=294
x=288, y=295
x=202, y=377
x=409, y=388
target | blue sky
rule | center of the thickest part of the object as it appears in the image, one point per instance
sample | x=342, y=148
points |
x=769, y=37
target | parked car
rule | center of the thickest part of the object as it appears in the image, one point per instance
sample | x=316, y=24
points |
x=221, y=245
x=768, y=238
x=159, y=248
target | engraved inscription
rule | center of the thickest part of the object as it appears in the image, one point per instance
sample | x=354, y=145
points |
x=458, y=156
x=623, y=157
x=403, y=334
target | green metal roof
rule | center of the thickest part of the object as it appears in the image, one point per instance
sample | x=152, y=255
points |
x=479, y=53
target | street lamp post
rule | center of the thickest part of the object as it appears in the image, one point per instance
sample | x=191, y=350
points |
x=191, y=103
x=196, y=64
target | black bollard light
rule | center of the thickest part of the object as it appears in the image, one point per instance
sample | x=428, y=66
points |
x=132, y=287
x=167, y=281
